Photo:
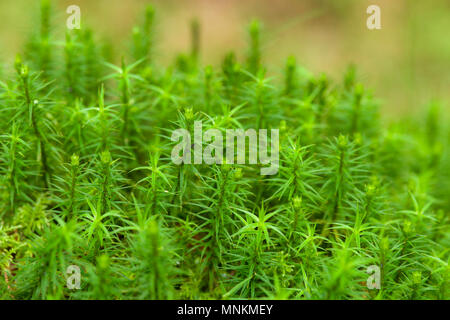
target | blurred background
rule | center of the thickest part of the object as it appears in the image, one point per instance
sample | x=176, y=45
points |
x=406, y=63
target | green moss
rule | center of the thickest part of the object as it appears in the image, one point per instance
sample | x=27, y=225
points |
x=86, y=179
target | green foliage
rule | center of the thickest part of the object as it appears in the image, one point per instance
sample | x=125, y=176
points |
x=86, y=179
